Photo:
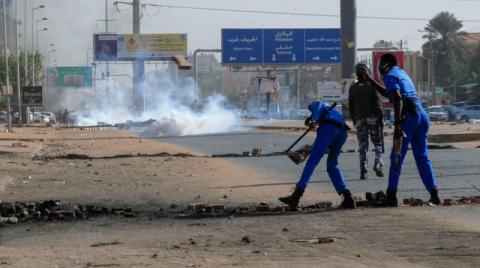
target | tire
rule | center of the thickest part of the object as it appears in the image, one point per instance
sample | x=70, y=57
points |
x=464, y=118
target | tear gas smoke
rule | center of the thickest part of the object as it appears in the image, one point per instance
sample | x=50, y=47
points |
x=167, y=102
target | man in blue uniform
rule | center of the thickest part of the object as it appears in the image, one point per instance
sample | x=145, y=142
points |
x=411, y=120
x=331, y=135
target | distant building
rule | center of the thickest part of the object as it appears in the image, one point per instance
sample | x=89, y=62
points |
x=472, y=41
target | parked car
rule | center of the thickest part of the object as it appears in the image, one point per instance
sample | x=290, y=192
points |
x=460, y=104
x=437, y=113
x=468, y=112
x=3, y=117
x=44, y=117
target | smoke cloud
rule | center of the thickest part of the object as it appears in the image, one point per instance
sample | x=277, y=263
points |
x=168, y=103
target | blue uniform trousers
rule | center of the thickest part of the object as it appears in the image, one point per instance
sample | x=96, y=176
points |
x=415, y=127
x=328, y=137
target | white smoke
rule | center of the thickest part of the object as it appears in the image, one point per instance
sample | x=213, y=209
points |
x=168, y=101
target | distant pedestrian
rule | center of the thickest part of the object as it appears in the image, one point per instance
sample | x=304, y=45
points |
x=65, y=117
x=365, y=106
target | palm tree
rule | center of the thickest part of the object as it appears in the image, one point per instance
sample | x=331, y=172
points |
x=446, y=39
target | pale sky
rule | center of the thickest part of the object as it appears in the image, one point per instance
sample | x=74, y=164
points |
x=72, y=23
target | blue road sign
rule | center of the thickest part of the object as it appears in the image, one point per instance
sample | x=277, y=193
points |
x=284, y=46
x=323, y=46
x=242, y=46
x=281, y=46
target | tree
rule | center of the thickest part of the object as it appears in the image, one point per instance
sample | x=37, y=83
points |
x=445, y=37
x=12, y=73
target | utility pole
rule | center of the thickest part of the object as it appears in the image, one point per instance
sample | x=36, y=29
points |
x=7, y=79
x=107, y=64
x=25, y=49
x=138, y=65
x=348, y=22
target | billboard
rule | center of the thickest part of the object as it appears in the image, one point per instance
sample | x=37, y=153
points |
x=281, y=46
x=32, y=96
x=329, y=91
x=70, y=77
x=105, y=46
x=151, y=46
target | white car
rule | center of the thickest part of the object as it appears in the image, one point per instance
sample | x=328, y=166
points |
x=437, y=113
x=3, y=117
x=44, y=117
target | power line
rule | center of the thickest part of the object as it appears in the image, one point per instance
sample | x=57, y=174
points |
x=292, y=13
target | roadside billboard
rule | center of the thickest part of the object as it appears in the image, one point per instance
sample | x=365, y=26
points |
x=330, y=91
x=68, y=77
x=32, y=96
x=105, y=47
x=150, y=46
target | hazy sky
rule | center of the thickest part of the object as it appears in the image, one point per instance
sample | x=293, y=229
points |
x=71, y=23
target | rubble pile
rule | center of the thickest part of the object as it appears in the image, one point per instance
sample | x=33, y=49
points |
x=54, y=210
x=377, y=200
x=200, y=210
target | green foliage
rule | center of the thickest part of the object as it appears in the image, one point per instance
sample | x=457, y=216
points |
x=12, y=72
x=454, y=63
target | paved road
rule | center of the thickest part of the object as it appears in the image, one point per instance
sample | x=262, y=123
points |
x=456, y=169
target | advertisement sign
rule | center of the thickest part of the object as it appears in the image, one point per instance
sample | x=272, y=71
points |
x=70, y=76
x=281, y=46
x=329, y=91
x=376, y=73
x=150, y=46
x=105, y=46
x=32, y=96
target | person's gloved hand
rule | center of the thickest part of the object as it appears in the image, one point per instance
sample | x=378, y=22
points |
x=308, y=121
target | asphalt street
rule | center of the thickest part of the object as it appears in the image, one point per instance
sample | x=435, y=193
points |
x=456, y=169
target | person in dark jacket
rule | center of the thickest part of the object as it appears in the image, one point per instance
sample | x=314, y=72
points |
x=365, y=106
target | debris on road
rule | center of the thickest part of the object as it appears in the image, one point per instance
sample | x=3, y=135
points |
x=247, y=239
x=50, y=210
x=103, y=244
x=319, y=240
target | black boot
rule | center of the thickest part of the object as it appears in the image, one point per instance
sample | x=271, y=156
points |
x=391, y=199
x=293, y=199
x=363, y=175
x=348, y=201
x=434, y=199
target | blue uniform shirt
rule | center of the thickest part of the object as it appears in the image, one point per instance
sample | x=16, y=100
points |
x=319, y=112
x=397, y=78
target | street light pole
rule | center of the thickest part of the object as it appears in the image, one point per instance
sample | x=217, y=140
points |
x=19, y=104
x=33, y=42
x=35, y=47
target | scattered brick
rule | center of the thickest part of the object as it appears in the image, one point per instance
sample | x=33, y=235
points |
x=246, y=239
x=325, y=240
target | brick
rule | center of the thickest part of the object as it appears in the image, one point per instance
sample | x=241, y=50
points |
x=197, y=207
x=447, y=202
x=247, y=239
x=256, y=151
x=281, y=208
